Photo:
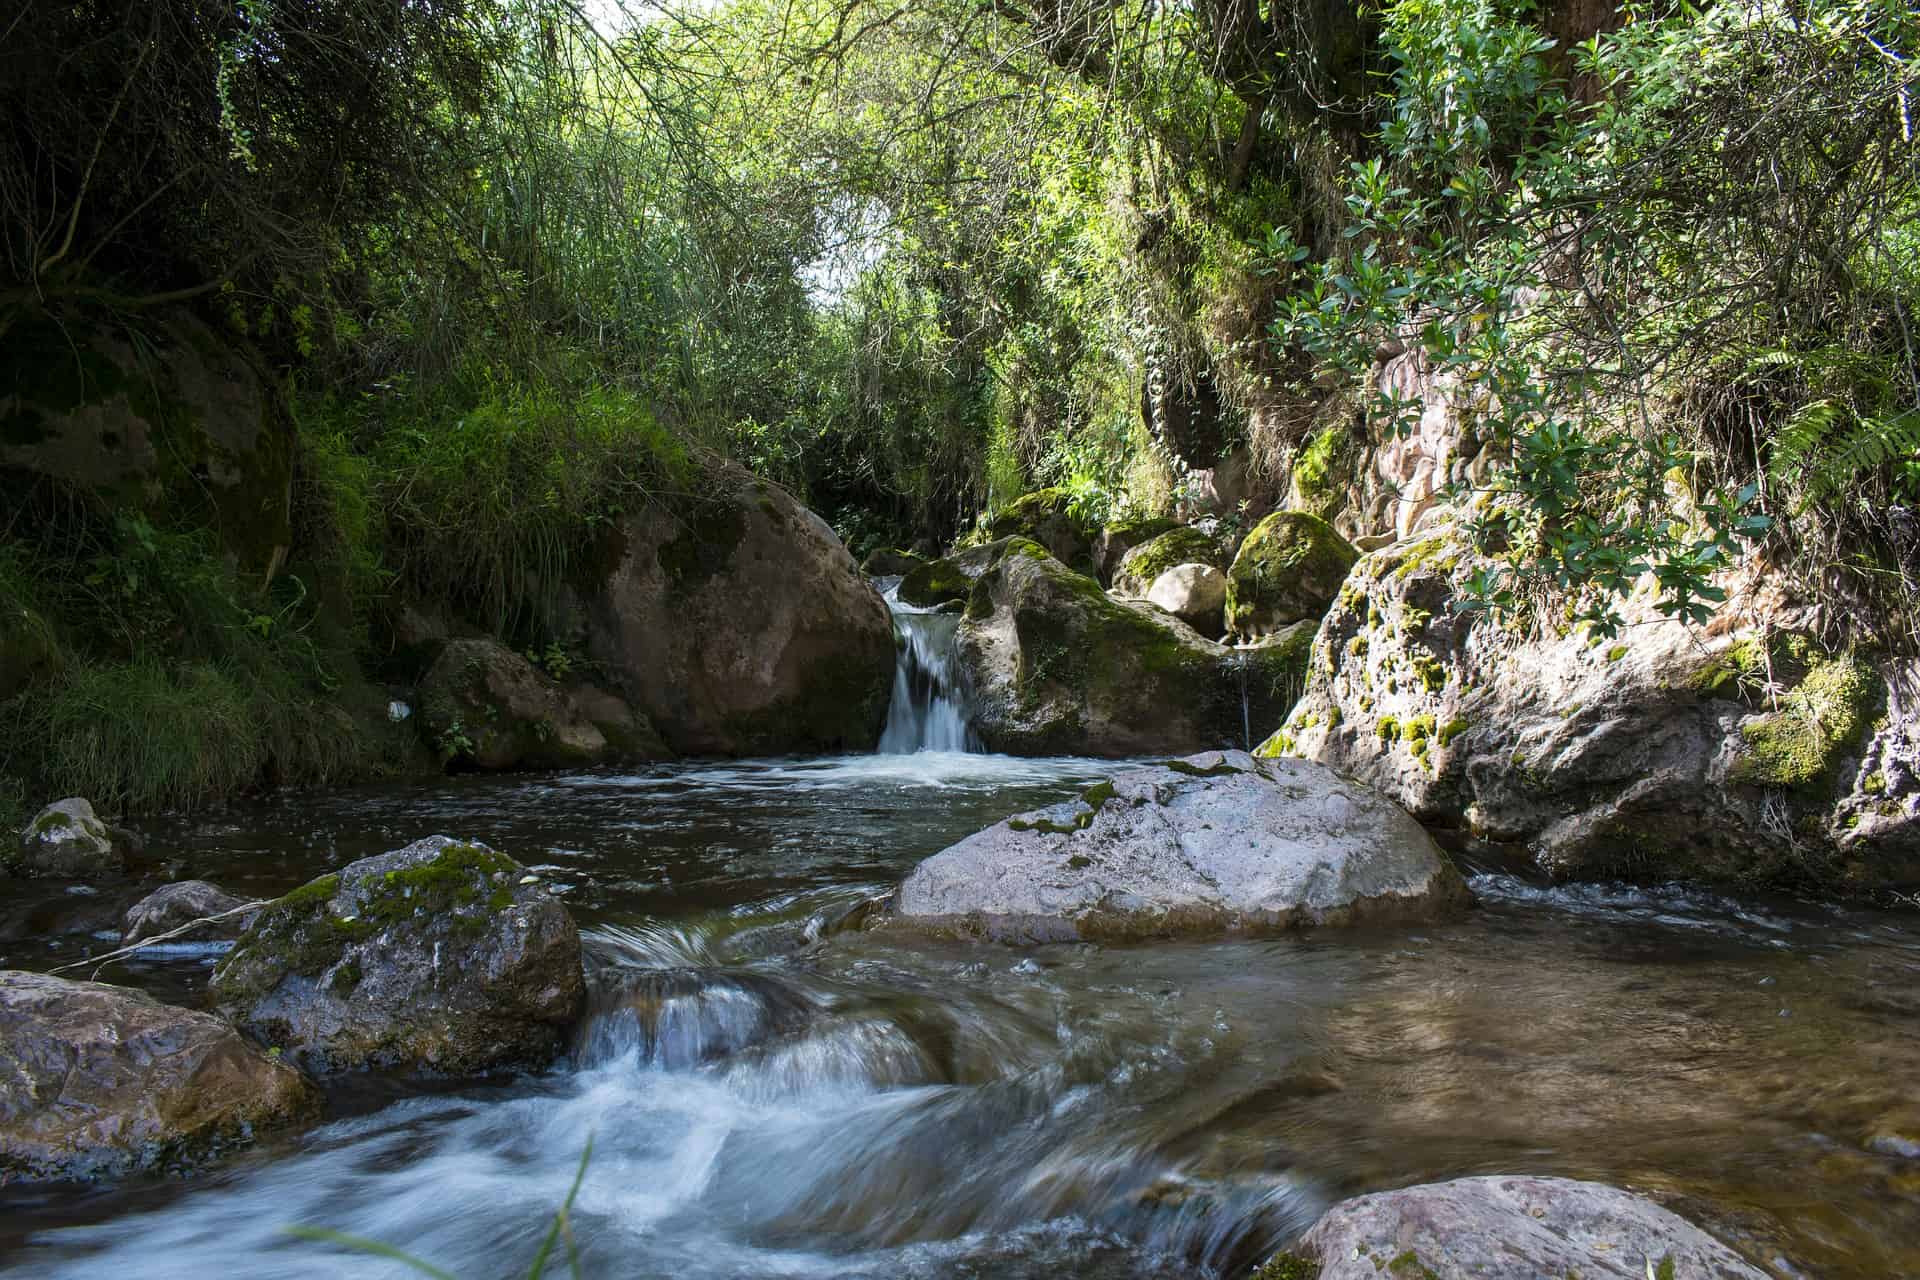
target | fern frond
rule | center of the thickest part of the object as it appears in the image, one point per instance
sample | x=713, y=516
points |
x=1809, y=455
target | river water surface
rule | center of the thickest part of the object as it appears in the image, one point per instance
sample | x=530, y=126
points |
x=762, y=1103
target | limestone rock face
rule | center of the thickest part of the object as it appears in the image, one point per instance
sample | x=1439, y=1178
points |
x=1194, y=593
x=743, y=626
x=1515, y=1228
x=483, y=703
x=1054, y=666
x=99, y=1081
x=176, y=905
x=1655, y=754
x=440, y=957
x=67, y=840
x=1289, y=568
x=1217, y=841
x=1141, y=567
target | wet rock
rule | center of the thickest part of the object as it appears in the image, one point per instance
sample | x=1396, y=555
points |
x=175, y=906
x=1217, y=841
x=443, y=957
x=483, y=704
x=98, y=1081
x=1194, y=593
x=739, y=624
x=678, y=1019
x=1897, y=1134
x=890, y=562
x=1653, y=754
x=1289, y=568
x=1514, y=1228
x=1052, y=665
x=1141, y=567
x=67, y=840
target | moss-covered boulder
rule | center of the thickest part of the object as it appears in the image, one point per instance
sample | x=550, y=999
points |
x=739, y=625
x=1055, y=666
x=934, y=584
x=158, y=414
x=1046, y=516
x=890, y=562
x=484, y=705
x=101, y=1081
x=1112, y=543
x=1289, y=568
x=1141, y=567
x=66, y=840
x=443, y=957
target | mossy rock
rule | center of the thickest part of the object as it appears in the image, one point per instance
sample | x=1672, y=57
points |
x=1146, y=562
x=1321, y=473
x=1802, y=743
x=1046, y=516
x=1289, y=568
x=1057, y=666
x=933, y=584
x=1112, y=543
x=890, y=562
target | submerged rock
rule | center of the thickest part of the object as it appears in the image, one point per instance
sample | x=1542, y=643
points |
x=1514, y=1228
x=1217, y=841
x=486, y=705
x=99, y=1081
x=174, y=906
x=1055, y=666
x=740, y=625
x=67, y=840
x=1289, y=568
x=443, y=957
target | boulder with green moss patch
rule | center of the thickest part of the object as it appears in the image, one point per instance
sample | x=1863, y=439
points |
x=1213, y=842
x=1141, y=567
x=1800, y=744
x=102, y=1081
x=739, y=625
x=484, y=705
x=1112, y=543
x=443, y=957
x=1053, y=665
x=1474, y=1228
x=1047, y=517
x=66, y=840
x=1289, y=568
x=935, y=583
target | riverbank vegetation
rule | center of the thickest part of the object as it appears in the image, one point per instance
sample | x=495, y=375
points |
x=507, y=269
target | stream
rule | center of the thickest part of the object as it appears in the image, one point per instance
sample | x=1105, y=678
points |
x=763, y=1100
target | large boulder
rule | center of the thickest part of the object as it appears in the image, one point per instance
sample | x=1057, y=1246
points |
x=935, y=583
x=1514, y=1228
x=1194, y=593
x=1046, y=516
x=1141, y=567
x=213, y=914
x=66, y=839
x=1289, y=568
x=890, y=562
x=1112, y=543
x=1054, y=666
x=741, y=625
x=444, y=956
x=1714, y=754
x=97, y=1081
x=164, y=416
x=1217, y=841
x=483, y=704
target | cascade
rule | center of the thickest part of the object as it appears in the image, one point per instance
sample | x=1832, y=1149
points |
x=926, y=713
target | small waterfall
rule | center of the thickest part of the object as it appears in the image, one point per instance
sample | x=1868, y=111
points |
x=926, y=713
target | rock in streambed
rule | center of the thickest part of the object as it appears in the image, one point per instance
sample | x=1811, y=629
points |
x=1509, y=1228
x=1216, y=841
x=214, y=914
x=97, y=1081
x=444, y=957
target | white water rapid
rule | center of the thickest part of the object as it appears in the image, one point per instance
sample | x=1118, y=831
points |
x=926, y=713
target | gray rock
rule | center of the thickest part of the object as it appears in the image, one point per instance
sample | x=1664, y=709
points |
x=1144, y=564
x=1052, y=665
x=67, y=840
x=1194, y=593
x=436, y=957
x=890, y=562
x=1289, y=568
x=741, y=625
x=174, y=906
x=1515, y=1228
x=483, y=703
x=1217, y=841
x=97, y=1081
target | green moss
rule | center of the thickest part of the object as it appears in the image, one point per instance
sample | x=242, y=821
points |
x=1357, y=647
x=1150, y=559
x=1409, y=1265
x=1279, y=743
x=1419, y=728
x=1874, y=783
x=1451, y=730
x=1313, y=468
x=934, y=584
x=1616, y=653
x=1291, y=566
x=1191, y=770
x=1431, y=673
x=1097, y=794
x=1800, y=744
x=1388, y=729
x=1287, y=1266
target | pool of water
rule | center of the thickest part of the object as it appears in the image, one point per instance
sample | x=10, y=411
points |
x=760, y=1104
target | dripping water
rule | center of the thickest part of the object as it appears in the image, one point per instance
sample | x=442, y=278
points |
x=926, y=713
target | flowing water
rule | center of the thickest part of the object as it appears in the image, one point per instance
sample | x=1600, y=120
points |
x=927, y=712
x=768, y=1097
